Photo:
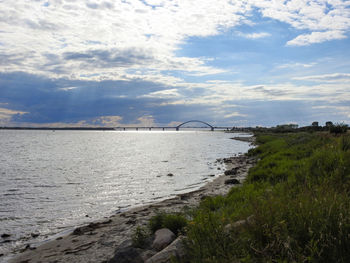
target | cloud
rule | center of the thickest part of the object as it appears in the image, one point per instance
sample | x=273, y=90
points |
x=316, y=37
x=98, y=61
x=7, y=114
x=234, y=114
x=325, y=20
x=99, y=40
x=296, y=65
x=111, y=58
x=254, y=35
x=164, y=94
x=334, y=77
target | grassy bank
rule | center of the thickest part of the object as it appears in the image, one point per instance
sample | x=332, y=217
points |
x=293, y=207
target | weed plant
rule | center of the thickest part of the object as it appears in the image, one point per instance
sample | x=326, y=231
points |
x=297, y=199
x=174, y=222
x=139, y=237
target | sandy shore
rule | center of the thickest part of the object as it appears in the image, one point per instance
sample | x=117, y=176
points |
x=98, y=241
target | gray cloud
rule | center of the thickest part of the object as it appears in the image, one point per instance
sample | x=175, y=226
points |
x=267, y=92
x=112, y=58
x=103, y=5
x=41, y=25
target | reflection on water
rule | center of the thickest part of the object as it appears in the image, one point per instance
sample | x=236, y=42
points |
x=51, y=181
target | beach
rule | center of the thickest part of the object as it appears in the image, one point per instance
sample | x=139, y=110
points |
x=98, y=241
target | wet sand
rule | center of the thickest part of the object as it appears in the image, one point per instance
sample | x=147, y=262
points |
x=98, y=241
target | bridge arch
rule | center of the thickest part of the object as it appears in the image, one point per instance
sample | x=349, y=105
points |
x=178, y=127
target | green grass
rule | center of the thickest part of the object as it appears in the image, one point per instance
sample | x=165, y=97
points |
x=297, y=197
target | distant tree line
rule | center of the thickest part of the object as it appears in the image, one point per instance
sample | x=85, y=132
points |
x=337, y=128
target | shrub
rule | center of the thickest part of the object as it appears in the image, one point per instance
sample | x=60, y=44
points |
x=139, y=237
x=338, y=128
x=156, y=222
x=174, y=222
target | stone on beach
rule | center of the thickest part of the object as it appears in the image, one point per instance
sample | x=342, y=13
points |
x=175, y=249
x=232, y=181
x=170, y=174
x=163, y=237
x=232, y=171
x=127, y=255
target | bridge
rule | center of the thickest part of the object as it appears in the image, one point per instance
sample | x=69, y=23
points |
x=177, y=128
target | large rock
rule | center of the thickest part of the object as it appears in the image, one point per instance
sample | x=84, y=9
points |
x=163, y=237
x=175, y=249
x=232, y=181
x=127, y=255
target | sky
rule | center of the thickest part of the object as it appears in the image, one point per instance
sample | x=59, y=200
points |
x=164, y=62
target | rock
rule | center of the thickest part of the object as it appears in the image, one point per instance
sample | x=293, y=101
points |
x=239, y=223
x=34, y=235
x=28, y=246
x=175, y=249
x=125, y=253
x=232, y=181
x=163, y=237
x=147, y=254
x=5, y=235
x=233, y=171
x=170, y=174
x=212, y=175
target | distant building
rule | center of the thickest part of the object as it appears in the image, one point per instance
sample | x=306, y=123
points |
x=329, y=124
x=314, y=124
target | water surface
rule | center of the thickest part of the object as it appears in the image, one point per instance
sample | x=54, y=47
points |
x=53, y=181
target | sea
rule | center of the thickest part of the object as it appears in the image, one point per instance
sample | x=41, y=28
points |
x=54, y=181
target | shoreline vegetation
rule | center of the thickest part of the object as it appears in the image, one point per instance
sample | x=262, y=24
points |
x=293, y=206
x=99, y=241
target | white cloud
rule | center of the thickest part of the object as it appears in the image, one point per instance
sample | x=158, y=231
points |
x=316, y=37
x=68, y=88
x=234, y=114
x=326, y=20
x=32, y=32
x=296, y=65
x=255, y=35
x=163, y=94
x=335, y=77
x=99, y=40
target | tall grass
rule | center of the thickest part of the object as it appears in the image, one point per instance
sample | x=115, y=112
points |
x=297, y=199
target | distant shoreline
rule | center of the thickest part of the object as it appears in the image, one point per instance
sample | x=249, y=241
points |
x=61, y=128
